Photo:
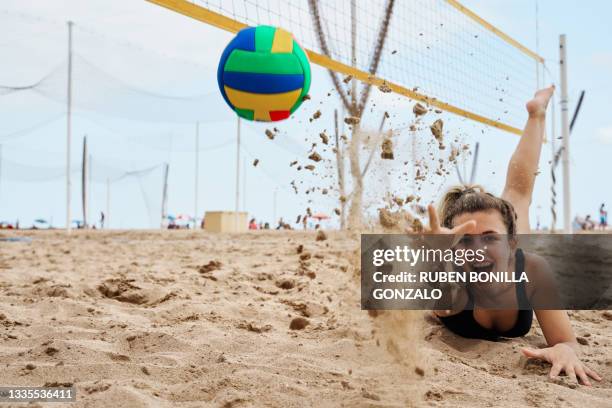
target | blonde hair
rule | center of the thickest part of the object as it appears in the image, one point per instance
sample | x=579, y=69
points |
x=473, y=198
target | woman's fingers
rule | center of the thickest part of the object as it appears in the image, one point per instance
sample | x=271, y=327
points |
x=442, y=313
x=555, y=370
x=434, y=223
x=573, y=369
x=582, y=375
x=534, y=353
x=592, y=374
x=464, y=228
x=571, y=373
x=436, y=228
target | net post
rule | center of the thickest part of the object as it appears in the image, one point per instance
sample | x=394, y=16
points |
x=107, y=215
x=553, y=165
x=0, y=172
x=68, y=126
x=565, y=131
x=237, y=174
x=197, y=171
x=354, y=56
x=84, y=181
x=164, y=207
x=244, y=182
x=89, y=188
x=274, y=206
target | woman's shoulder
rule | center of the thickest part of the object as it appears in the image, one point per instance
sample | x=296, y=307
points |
x=533, y=259
x=541, y=287
x=537, y=267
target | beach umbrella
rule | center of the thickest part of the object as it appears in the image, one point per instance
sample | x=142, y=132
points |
x=40, y=221
x=320, y=216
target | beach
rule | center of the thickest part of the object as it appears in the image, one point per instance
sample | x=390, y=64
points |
x=189, y=318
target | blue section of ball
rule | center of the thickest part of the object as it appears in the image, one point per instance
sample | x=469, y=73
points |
x=263, y=83
x=244, y=40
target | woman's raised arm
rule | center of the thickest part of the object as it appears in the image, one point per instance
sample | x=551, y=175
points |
x=523, y=165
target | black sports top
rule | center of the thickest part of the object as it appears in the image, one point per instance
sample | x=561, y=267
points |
x=464, y=324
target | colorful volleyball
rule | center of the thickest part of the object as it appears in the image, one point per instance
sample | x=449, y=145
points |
x=264, y=74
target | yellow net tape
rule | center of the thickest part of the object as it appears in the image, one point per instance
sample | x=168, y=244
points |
x=222, y=20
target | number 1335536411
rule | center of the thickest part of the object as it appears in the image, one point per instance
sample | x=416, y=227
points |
x=42, y=394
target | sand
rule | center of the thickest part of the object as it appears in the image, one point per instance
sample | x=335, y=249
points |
x=184, y=318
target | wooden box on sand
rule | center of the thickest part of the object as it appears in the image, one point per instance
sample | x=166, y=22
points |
x=225, y=221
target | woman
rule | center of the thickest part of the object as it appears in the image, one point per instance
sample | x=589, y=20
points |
x=603, y=217
x=469, y=210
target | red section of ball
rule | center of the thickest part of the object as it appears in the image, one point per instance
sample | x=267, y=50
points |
x=279, y=115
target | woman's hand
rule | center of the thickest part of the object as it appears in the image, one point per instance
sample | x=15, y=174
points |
x=563, y=358
x=455, y=232
x=436, y=228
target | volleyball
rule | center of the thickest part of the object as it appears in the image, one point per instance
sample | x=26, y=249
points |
x=264, y=74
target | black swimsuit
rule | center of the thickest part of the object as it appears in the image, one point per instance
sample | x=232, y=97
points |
x=464, y=324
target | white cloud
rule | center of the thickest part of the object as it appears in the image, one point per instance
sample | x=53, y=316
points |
x=604, y=135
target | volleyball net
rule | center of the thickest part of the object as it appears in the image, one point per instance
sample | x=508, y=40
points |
x=437, y=52
x=141, y=188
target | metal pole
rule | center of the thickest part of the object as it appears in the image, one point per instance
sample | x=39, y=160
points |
x=340, y=168
x=197, y=171
x=565, y=131
x=89, y=190
x=274, y=206
x=474, y=164
x=84, y=186
x=553, y=190
x=537, y=35
x=164, y=207
x=0, y=171
x=413, y=154
x=465, y=170
x=237, y=174
x=68, y=127
x=244, y=183
x=354, y=55
x=107, y=216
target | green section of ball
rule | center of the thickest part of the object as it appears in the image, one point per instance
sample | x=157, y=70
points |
x=264, y=37
x=305, y=64
x=263, y=63
x=245, y=113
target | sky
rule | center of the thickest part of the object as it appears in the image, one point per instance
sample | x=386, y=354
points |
x=137, y=52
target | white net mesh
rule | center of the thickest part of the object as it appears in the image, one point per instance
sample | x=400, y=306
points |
x=430, y=46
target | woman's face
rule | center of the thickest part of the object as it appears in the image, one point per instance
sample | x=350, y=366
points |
x=490, y=235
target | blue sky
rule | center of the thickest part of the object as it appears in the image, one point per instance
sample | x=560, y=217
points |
x=124, y=39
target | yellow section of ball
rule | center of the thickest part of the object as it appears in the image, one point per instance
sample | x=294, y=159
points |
x=262, y=104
